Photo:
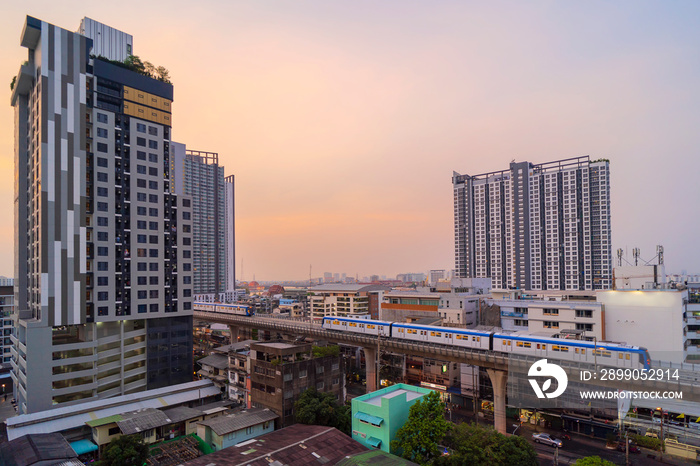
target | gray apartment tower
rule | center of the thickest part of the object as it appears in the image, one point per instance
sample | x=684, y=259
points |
x=103, y=247
x=198, y=175
x=536, y=226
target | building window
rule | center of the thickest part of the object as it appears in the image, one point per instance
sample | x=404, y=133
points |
x=319, y=386
x=102, y=118
x=102, y=221
x=153, y=308
x=140, y=127
x=102, y=311
x=248, y=430
x=102, y=162
x=142, y=294
x=103, y=251
x=102, y=266
x=142, y=308
x=302, y=373
x=102, y=281
x=141, y=142
x=550, y=324
x=152, y=144
x=153, y=131
x=584, y=313
x=103, y=296
x=153, y=158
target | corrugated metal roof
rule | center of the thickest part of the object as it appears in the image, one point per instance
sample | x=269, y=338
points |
x=143, y=420
x=223, y=425
x=215, y=360
x=104, y=420
x=181, y=413
x=60, y=419
x=36, y=448
x=297, y=445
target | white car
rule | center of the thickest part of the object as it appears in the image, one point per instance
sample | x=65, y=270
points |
x=547, y=440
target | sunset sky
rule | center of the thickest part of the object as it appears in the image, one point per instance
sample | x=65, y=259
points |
x=343, y=120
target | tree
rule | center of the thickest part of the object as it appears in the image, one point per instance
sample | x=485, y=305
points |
x=593, y=461
x=317, y=408
x=127, y=450
x=417, y=440
x=134, y=63
x=473, y=444
x=162, y=74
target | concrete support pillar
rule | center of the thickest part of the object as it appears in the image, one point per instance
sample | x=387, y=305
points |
x=499, y=382
x=233, y=329
x=371, y=368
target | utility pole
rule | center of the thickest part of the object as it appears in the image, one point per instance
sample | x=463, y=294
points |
x=627, y=449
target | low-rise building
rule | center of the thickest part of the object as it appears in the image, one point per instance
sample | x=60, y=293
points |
x=556, y=313
x=398, y=305
x=377, y=416
x=340, y=299
x=232, y=429
x=459, y=309
x=39, y=450
x=215, y=368
x=281, y=371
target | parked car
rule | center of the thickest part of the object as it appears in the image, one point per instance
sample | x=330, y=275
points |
x=632, y=448
x=547, y=440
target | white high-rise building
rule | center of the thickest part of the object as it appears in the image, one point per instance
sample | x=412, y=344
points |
x=536, y=227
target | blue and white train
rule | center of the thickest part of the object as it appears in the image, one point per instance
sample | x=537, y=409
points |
x=600, y=353
x=231, y=309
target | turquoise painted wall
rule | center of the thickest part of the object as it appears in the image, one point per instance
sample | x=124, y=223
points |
x=393, y=410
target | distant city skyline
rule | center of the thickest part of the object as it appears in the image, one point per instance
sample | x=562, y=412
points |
x=343, y=122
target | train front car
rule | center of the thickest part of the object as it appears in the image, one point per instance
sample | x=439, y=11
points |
x=599, y=353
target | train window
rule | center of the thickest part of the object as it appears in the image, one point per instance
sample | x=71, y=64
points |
x=564, y=349
x=619, y=356
x=519, y=344
x=583, y=350
x=473, y=338
x=538, y=346
x=555, y=347
x=459, y=337
x=576, y=350
x=438, y=334
x=544, y=347
x=527, y=345
x=503, y=342
x=477, y=339
x=432, y=334
x=627, y=356
x=510, y=343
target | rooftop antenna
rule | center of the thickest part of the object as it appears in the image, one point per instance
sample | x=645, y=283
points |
x=619, y=257
x=635, y=254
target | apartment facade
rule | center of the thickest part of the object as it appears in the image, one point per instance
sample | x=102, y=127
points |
x=7, y=305
x=536, y=226
x=103, y=247
x=557, y=313
x=281, y=371
x=340, y=300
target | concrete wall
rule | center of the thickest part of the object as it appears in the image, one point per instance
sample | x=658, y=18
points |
x=652, y=319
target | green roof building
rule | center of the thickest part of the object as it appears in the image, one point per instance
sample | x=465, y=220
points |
x=377, y=416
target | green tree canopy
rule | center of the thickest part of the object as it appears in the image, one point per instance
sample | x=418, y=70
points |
x=317, y=408
x=474, y=444
x=593, y=461
x=127, y=450
x=417, y=440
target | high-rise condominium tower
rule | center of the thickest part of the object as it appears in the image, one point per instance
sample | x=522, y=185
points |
x=103, y=247
x=198, y=175
x=536, y=227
